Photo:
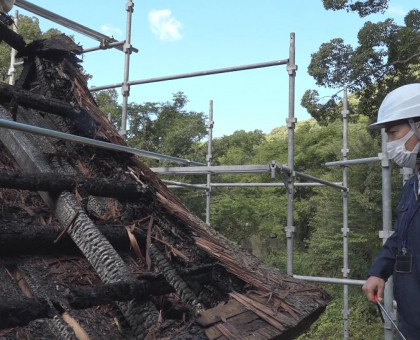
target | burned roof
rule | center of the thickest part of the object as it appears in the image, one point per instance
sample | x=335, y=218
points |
x=94, y=245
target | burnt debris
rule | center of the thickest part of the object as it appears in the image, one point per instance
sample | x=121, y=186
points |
x=96, y=245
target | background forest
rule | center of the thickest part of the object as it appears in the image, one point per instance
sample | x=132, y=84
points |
x=386, y=57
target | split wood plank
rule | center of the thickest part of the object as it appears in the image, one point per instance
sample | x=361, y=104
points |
x=261, y=310
x=220, y=312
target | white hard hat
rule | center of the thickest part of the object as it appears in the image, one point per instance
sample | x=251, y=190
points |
x=401, y=103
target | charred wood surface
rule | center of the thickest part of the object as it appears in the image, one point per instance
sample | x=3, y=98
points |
x=36, y=101
x=85, y=297
x=140, y=289
x=20, y=312
x=43, y=239
x=173, y=277
x=11, y=38
x=53, y=182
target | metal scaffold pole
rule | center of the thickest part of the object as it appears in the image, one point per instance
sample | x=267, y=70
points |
x=12, y=69
x=345, y=230
x=386, y=229
x=209, y=159
x=291, y=121
x=127, y=48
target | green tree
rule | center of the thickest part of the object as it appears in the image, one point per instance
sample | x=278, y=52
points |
x=387, y=56
x=28, y=28
x=166, y=127
x=364, y=8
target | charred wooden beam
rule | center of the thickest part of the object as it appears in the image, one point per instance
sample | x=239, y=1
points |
x=37, y=101
x=11, y=38
x=140, y=289
x=85, y=297
x=16, y=238
x=52, y=182
x=20, y=312
x=173, y=278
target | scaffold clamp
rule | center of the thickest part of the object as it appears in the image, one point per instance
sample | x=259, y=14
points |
x=291, y=122
x=289, y=231
x=384, y=160
x=384, y=234
x=291, y=69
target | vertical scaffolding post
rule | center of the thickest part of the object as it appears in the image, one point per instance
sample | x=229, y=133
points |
x=12, y=69
x=345, y=230
x=291, y=121
x=387, y=228
x=127, y=48
x=209, y=159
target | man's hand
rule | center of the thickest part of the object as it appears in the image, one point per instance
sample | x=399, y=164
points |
x=374, y=286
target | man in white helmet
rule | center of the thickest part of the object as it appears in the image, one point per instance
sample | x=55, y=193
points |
x=399, y=114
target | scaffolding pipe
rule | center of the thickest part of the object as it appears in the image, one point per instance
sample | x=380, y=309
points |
x=291, y=121
x=193, y=74
x=12, y=69
x=345, y=230
x=268, y=185
x=354, y=161
x=386, y=229
x=8, y=124
x=104, y=46
x=209, y=160
x=322, y=279
x=214, y=169
x=66, y=22
x=175, y=185
x=125, y=90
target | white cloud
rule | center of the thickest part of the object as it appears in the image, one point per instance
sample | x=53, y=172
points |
x=396, y=10
x=164, y=25
x=111, y=30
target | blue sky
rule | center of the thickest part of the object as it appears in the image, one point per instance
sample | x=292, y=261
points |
x=183, y=36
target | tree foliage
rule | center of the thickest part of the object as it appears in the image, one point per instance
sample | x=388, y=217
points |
x=363, y=8
x=387, y=56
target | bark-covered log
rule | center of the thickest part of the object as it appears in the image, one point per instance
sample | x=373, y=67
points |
x=53, y=182
x=11, y=38
x=15, y=313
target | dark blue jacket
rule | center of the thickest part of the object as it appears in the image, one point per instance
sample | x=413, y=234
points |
x=406, y=285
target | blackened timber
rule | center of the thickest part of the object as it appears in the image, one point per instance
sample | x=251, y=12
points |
x=86, y=297
x=20, y=312
x=37, y=101
x=52, y=182
x=146, y=284
x=173, y=277
x=17, y=238
x=11, y=38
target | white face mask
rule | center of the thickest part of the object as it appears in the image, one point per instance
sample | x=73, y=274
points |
x=397, y=151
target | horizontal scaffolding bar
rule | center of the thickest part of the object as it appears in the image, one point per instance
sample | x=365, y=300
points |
x=194, y=74
x=178, y=185
x=104, y=46
x=330, y=280
x=277, y=184
x=92, y=142
x=213, y=169
x=67, y=23
x=174, y=184
x=354, y=161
